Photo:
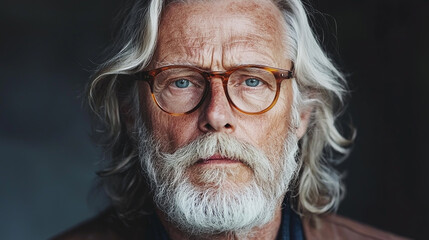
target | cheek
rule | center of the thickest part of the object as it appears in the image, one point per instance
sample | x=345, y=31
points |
x=272, y=133
x=274, y=125
x=171, y=131
x=174, y=132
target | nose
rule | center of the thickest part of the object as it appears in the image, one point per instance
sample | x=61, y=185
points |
x=216, y=113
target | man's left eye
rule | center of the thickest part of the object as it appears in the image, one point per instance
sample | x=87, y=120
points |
x=182, y=83
x=252, y=82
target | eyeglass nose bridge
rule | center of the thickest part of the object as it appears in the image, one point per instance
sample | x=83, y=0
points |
x=224, y=76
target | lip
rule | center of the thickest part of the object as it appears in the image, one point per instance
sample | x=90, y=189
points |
x=217, y=159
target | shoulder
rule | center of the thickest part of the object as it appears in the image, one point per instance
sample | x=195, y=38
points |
x=332, y=226
x=105, y=226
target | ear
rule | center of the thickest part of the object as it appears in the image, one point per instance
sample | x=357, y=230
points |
x=305, y=116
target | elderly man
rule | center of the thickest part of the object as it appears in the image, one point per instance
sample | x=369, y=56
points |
x=215, y=114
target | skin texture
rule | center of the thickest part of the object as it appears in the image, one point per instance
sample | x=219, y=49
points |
x=218, y=35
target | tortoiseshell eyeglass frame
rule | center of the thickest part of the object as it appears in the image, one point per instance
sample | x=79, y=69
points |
x=279, y=74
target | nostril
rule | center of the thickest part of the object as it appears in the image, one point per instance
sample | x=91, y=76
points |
x=209, y=127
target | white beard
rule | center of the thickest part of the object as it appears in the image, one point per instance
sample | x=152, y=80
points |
x=219, y=205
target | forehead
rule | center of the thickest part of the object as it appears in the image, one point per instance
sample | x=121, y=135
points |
x=263, y=13
x=195, y=29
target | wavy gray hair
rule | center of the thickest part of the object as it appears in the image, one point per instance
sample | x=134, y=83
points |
x=114, y=99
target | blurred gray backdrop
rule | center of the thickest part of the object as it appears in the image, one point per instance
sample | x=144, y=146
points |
x=48, y=162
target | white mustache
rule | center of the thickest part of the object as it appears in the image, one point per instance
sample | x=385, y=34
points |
x=217, y=144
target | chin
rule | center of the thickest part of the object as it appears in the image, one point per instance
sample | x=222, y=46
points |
x=217, y=208
x=220, y=176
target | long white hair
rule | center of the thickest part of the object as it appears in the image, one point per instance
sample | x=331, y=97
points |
x=113, y=97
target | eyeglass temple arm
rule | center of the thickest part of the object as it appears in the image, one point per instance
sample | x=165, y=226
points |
x=144, y=76
x=291, y=72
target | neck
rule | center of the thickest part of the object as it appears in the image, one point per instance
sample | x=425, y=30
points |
x=266, y=232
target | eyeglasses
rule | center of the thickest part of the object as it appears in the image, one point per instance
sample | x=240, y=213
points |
x=180, y=90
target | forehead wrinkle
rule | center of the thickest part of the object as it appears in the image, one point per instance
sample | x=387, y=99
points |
x=251, y=52
x=248, y=58
x=184, y=49
x=184, y=56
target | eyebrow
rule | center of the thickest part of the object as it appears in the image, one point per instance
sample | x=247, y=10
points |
x=160, y=64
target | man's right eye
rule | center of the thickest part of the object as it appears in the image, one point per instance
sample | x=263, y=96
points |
x=252, y=82
x=182, y=83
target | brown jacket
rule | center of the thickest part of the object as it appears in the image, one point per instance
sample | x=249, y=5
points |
x=335, y=227
x=329, y=227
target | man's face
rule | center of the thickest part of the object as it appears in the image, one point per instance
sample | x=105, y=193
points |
x=218, y=35
x=217, y=169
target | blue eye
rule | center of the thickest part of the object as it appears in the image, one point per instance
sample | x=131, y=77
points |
x=252, y=82
x=182, y=83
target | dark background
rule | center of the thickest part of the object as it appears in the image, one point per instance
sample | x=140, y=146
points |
x=48, y=48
